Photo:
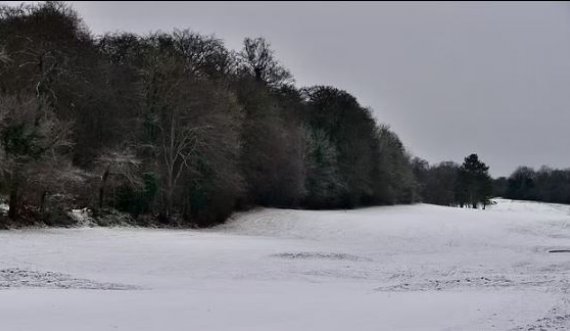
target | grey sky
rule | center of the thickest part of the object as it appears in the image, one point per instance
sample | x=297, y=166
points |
x=450, y=79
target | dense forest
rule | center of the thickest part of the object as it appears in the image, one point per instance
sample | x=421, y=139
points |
x=175, y=129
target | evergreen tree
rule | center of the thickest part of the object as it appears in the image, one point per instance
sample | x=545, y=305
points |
x=474, y=185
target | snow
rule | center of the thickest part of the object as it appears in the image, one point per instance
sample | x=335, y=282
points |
x=419, y=267
x=81, y=216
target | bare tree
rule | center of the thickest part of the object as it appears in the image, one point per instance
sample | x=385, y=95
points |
x=193, y=123
x=259, y=61
x=204, y=55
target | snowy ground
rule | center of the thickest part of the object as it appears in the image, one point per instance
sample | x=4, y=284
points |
x=417, y=267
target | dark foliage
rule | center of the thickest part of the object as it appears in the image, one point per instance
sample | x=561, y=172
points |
x=450, y=184
x=546, y=184
x=175, y=127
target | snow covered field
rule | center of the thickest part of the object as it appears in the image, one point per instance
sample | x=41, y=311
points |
x=419, y=267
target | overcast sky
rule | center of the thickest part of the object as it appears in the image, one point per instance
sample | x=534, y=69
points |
x=450, y=79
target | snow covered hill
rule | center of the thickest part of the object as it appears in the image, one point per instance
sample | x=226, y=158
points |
x=418, y=267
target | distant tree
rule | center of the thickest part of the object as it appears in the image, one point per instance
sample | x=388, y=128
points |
x=420, y=168
x=546, y=184
x=553, y=185
x=438, y=182
x=500, y=186
x=474, y=185
x=521, y=184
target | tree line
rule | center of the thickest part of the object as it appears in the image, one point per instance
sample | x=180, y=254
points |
x=545, y=185
x=450, y=184
x=175, y=128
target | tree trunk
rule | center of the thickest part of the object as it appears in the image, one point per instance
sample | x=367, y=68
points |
x=101, y=196
x=43, y=203
x=169, y=194
x=13, y=204
x=102, y=188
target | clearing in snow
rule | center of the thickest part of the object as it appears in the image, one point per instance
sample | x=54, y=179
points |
x=418, y=267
